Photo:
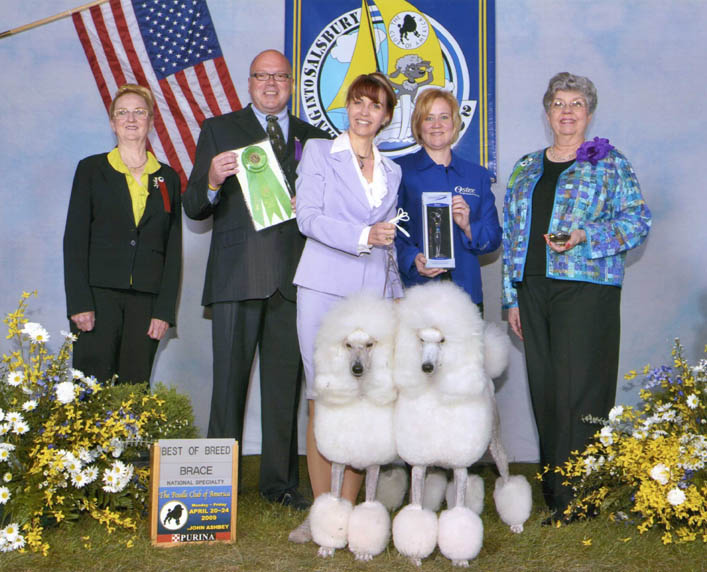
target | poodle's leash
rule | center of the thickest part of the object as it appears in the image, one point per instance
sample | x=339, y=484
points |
x=391, y=262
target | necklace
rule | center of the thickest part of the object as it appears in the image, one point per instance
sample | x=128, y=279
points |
x=561, y=158
x=362, y=158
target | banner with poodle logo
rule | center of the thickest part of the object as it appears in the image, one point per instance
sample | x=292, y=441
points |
x=417, y=45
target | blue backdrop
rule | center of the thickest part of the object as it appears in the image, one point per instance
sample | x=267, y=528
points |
x=646, y=58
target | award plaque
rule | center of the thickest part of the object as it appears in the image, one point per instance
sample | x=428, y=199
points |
x=193, y=496
x=437, y=229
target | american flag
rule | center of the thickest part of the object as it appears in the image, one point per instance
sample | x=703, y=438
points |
x=171, y=47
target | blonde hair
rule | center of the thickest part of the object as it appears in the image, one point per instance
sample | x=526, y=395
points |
x=133, y=88
x=423, y=104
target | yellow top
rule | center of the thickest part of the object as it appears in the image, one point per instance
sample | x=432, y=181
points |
x=138, y=189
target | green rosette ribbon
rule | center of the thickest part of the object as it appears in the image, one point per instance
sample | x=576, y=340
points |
x=267, y=195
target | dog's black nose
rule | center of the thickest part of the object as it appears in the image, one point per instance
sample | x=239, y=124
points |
x=428, y=367
x=357, y=369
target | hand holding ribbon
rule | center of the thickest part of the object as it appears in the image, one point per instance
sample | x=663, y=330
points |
x=401, y=216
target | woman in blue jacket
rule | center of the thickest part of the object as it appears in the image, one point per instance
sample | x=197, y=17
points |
x=435, y=125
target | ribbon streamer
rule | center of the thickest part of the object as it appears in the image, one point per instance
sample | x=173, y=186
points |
x=267, y=197
x=401, y=216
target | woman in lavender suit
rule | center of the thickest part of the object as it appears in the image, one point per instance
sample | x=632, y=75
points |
x=346, y=193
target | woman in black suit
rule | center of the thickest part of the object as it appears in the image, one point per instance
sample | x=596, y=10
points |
x=123, y=248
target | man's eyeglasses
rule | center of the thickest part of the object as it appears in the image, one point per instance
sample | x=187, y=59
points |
x=139, y=113
x=277, y=76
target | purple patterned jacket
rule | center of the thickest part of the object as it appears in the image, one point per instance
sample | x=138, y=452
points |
x=603, y=199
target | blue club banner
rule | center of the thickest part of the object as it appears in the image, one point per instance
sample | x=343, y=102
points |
x=417, y=44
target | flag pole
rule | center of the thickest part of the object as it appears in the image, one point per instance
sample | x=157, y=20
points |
x=50, y=19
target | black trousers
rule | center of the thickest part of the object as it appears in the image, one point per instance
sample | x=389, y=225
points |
x=571, y=333
x=237, y=329
x=118, y=342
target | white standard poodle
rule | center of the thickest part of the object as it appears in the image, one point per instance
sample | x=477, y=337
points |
x=353, y=420
x=446, y=416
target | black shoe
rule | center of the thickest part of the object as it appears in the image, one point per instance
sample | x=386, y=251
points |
x=292, y=499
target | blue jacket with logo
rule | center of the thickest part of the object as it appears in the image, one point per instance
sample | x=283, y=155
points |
x=420, y=173
x=603, y=199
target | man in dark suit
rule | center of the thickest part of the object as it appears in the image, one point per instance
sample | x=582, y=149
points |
x=249, y=278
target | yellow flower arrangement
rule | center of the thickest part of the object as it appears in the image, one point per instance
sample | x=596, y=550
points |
x=648, y=464
x=68, y=442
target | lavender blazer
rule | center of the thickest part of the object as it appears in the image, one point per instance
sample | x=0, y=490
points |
x=332, y=211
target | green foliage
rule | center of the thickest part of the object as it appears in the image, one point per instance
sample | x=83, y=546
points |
x=67, y=442
x=648, y=465
x=179, y=413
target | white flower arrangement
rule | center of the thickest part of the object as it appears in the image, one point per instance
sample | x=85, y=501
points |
x=648, y=463
x=63, y=439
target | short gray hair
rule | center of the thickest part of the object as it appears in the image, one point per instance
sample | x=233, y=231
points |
x=565, y=81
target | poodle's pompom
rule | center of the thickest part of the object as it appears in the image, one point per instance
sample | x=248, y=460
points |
x=435, y=486
x=392, y=486
x=497, y=349
x=461, y=535
x=369, y=530
x=415, y=532
x=513, y=501
x=329, y=519
x=361, y=314
x=474, y=497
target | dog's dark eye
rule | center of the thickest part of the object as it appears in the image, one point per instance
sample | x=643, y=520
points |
x=348, y=345
x=442, y=341
x=369, y=345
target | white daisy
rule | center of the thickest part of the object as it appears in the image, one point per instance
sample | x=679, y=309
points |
x=660, y=473
x=4, y=428
x=693, y=401
x=606, y=436
x=11, y=532
x=15, y=378
x=2, y=415
x=7, y=477
x=90, y=474
x=76, y=373
x=73, y=465
x=590, y=464
x=117, y=447
x=14, y=417
x=676, y=496
x=78, y=479
x=68, y=335
x=29, y=405
x=615, y=413
x=36, y=332
x=20, y=428
x=4, y=495
x=65, y=392
x=18, y=544
x=669, y=415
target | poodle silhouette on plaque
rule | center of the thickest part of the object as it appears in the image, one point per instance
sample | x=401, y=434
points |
x=437, y=229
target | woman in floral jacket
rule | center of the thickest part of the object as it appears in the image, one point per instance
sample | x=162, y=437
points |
x=563, y=269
